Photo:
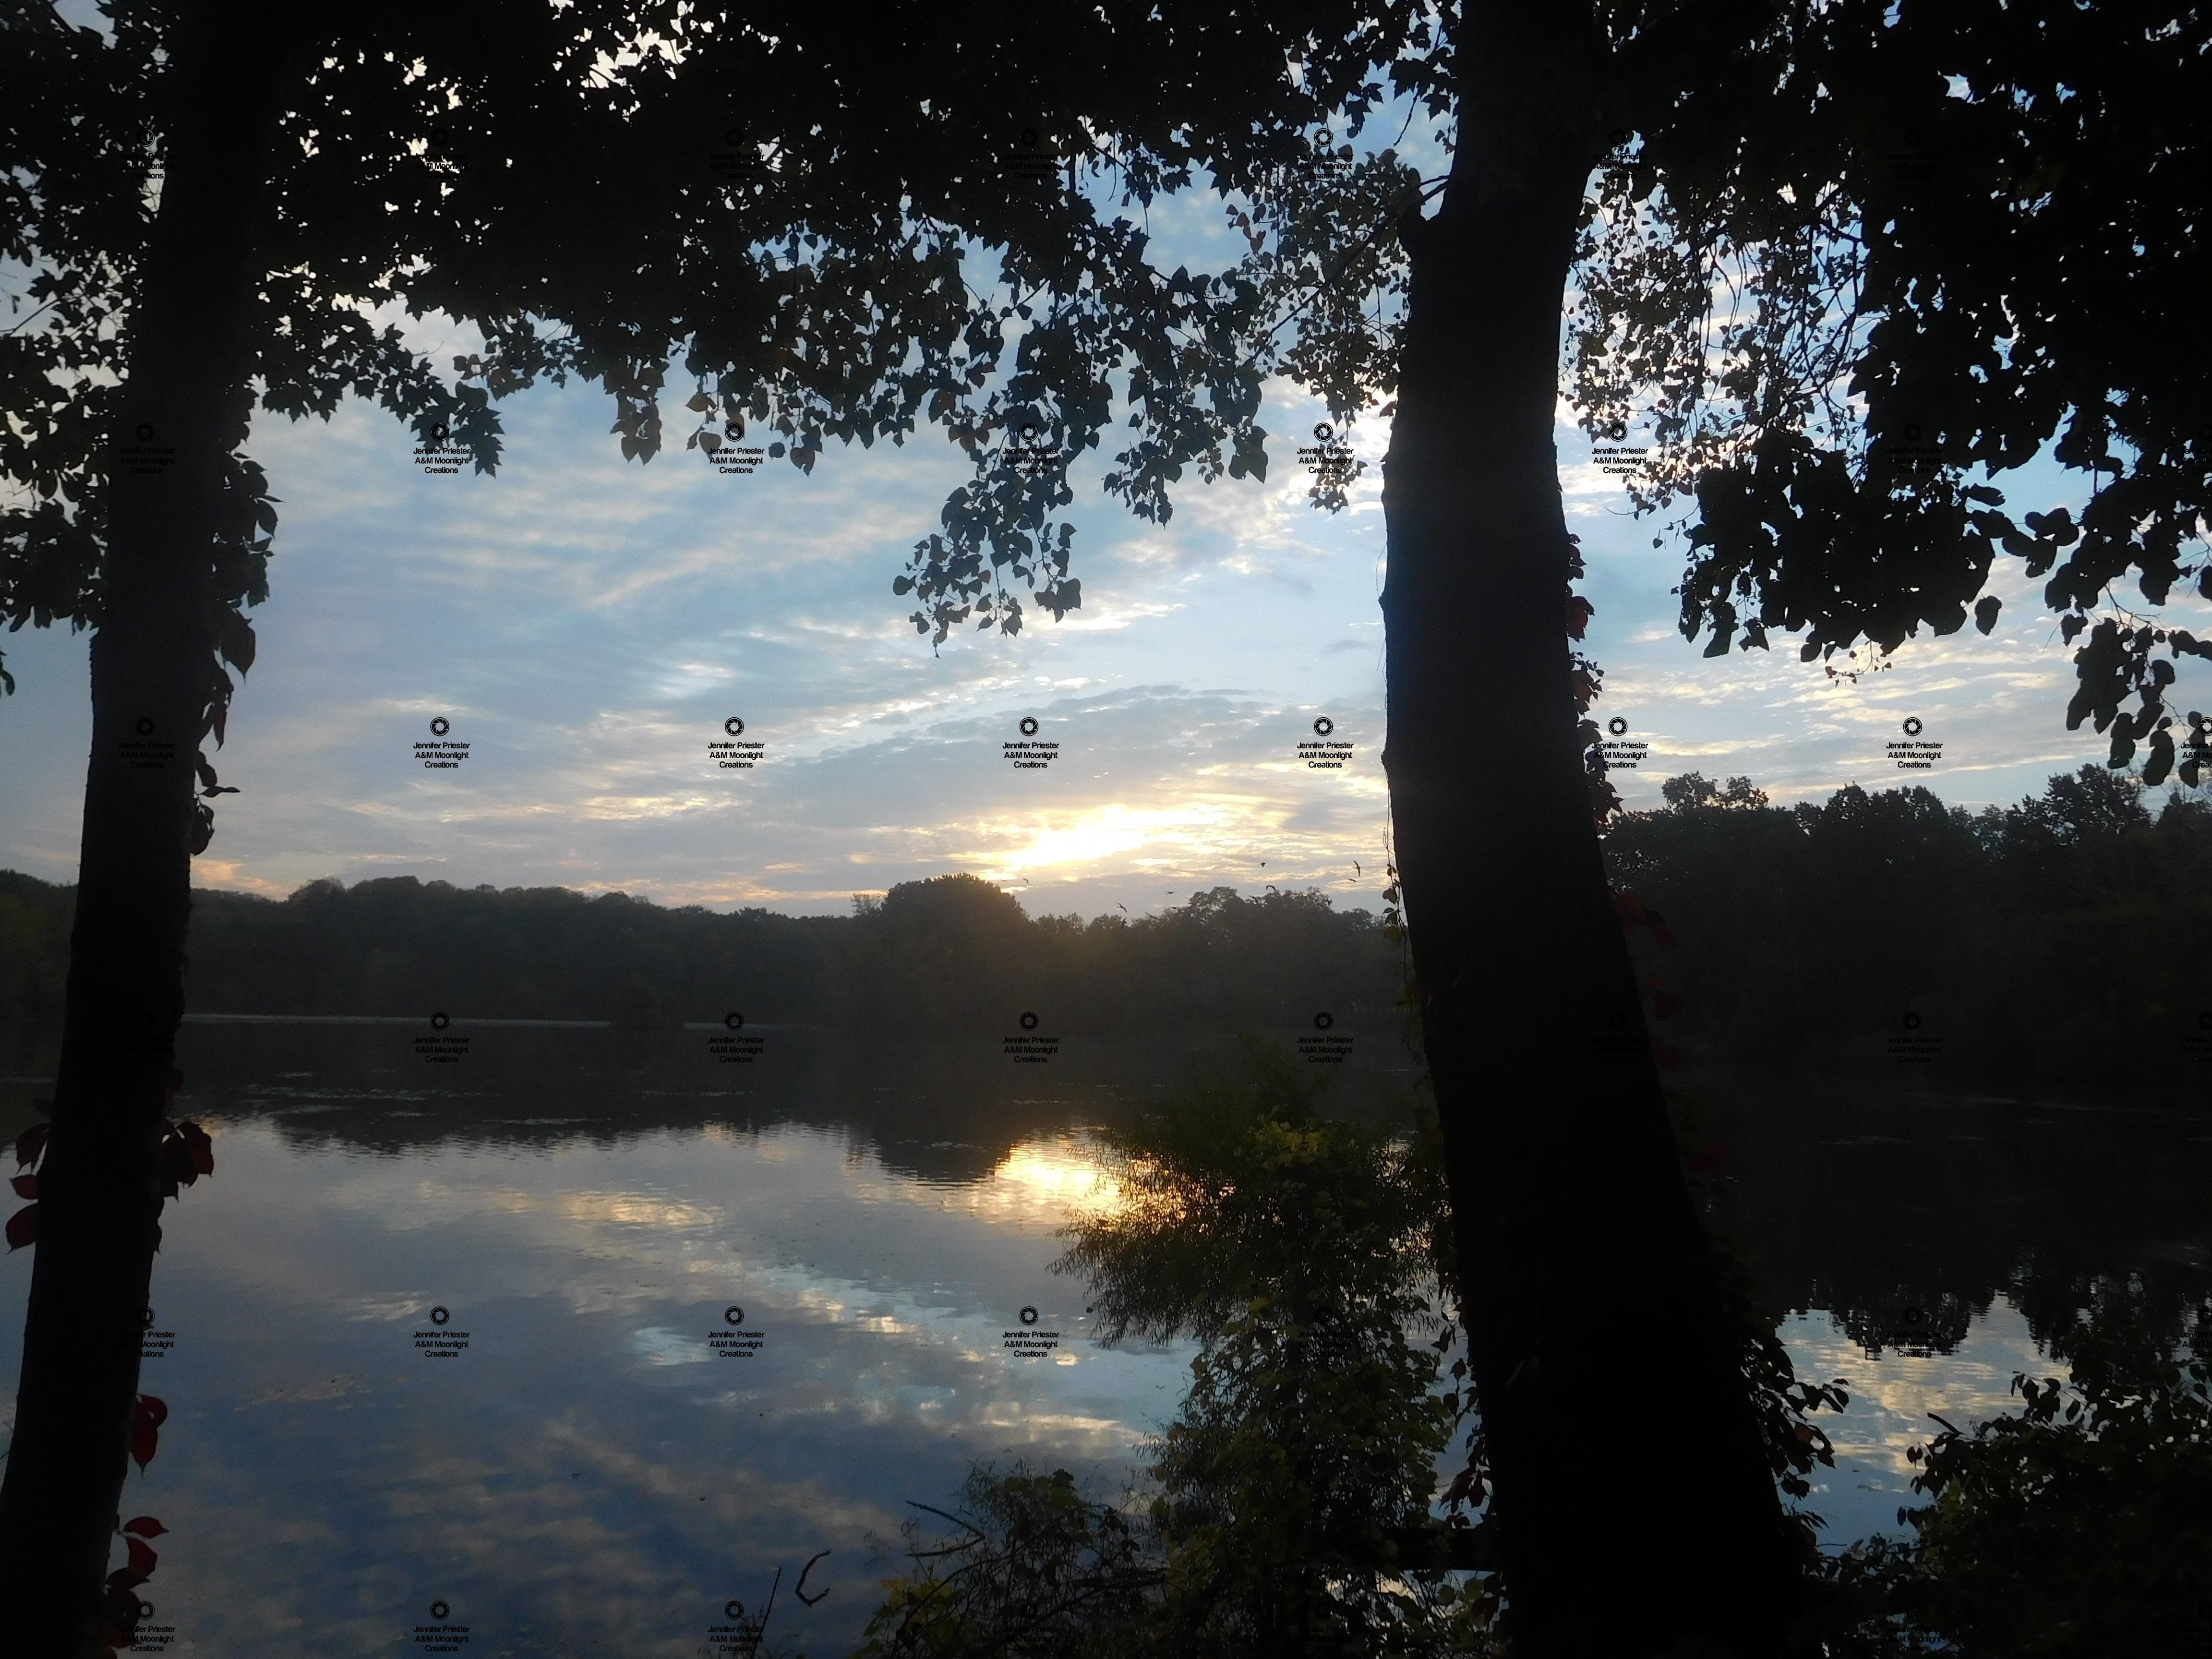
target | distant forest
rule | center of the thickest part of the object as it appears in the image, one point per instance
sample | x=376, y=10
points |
x=953, y=952
x=2065, y=944
x=2066, y=941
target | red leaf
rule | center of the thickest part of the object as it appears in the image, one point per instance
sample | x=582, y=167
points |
x=142, y=1557
x=1579, y=611
x=125, y=1578
x=45, y=1108
x=31, y=1143
x=145, y=1438
x=23, y=1227
x=143, y=1526
x=26, y=1186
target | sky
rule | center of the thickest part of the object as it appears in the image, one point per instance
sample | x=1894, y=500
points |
x=587, y=626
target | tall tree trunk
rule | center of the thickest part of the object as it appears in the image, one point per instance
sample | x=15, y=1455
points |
x=152, y=664
x=1599, y=1343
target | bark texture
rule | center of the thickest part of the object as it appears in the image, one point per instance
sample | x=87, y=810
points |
x=152, y=662
x=1598, y=1338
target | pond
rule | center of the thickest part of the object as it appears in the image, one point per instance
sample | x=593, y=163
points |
x=594, y=1340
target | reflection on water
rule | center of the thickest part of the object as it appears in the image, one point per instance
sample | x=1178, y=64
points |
x=715, y=1326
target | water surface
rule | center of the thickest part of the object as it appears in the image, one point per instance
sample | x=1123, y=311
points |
x=720, y=1319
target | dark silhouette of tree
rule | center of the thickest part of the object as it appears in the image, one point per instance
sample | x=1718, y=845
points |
x=1290, y=1495
x=2077, y=1525
x=951, y=955
x=1959, y=238
x=2016, y=271
x=1805, y=935
x=596, y=190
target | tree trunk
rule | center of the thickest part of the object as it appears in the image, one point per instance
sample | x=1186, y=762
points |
x=1599, y=1344
x=152, y=664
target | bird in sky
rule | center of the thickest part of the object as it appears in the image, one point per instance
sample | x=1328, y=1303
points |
x=1356, y=870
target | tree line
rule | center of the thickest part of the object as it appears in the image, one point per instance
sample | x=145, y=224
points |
x=1795, y=936
x=2059, y=942
x=951, y=952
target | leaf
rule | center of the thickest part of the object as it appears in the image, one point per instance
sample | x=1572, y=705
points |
x=1986, y=613
x=198, y=1147
x=145, y=1430
x=234, y=639
x=143, y=1526
x=32, y=1142
x=23, y=1227
x=142, y=1557
x=26, y=1186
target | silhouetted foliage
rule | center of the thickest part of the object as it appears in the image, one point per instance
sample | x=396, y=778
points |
x=950, y=952
x=1304, y=1252
x=2080, y=1525
x=2016, y=935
